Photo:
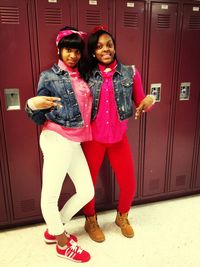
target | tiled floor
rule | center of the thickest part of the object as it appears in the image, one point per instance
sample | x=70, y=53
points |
x=167, y=235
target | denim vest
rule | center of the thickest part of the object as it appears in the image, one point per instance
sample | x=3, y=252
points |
x=123, y=90
x=56, y=82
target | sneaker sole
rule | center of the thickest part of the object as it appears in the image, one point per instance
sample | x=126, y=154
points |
x=47, y=241
x=64, y=257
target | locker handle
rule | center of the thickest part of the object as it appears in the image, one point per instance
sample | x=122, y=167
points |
x=12, y=99
x=156, y=91
x=184, y=91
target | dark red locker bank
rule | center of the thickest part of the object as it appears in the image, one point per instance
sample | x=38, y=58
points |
x=16, y=86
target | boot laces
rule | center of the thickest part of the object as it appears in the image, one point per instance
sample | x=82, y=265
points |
x=124, y=221
x=94, y=225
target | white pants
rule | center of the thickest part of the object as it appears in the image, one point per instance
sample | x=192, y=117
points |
x=62, y=156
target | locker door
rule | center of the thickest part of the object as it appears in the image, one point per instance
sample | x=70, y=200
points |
x=197, y=162
x=15, y=88
x=187, y=100
x=129, y=47
x=3, y=211
x=51, y=16
x=197, y=180
x=91, y=14
x=160, y=76
x=130, y=32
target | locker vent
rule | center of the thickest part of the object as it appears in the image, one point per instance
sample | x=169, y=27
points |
x=163, y=21
x=93, y=17
x=53, y=16
x=130, y=19
x=27, y=205
x=194, y=23
x=9, y=15
x=180, y=180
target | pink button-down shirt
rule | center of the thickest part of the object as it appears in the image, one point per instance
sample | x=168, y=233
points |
x=84, y=99
x=107, y=127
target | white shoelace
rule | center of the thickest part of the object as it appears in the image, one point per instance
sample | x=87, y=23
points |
x=73, y=249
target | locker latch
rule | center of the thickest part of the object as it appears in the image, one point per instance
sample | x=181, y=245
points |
x=12, y=98
x=156, y=91
x=184, y=91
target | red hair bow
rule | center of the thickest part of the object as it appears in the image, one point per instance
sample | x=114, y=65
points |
x=99, y=28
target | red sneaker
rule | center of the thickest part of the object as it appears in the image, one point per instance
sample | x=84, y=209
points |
x=50, y=239
x=73, y=252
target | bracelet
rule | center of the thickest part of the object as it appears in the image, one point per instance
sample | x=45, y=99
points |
x=31, y=105
x=153, y=98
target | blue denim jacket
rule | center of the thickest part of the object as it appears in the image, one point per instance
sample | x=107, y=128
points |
x=123, y=90
x=56, y=82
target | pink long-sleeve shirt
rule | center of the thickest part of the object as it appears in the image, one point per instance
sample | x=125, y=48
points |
x=107, y=127
x=84, y=98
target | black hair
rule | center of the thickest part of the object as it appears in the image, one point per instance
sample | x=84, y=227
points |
x=92, y=45
x=73, y=41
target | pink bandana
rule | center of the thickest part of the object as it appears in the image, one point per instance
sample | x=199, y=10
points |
x=62, y=34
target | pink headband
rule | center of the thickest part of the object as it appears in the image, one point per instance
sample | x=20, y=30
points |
x=62, y=34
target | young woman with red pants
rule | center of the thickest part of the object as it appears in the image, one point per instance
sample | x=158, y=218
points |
x=114, y=87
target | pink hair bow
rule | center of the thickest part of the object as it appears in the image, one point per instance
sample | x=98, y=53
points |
x=62, y=34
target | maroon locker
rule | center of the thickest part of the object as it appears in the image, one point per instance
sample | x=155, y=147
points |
x=51, y=16
x=3, y=212
x=3, y=209
x=197, y=173
x=89, y=15
x=129, y=29
x=16, y=86
x=187, y=100
x=197, y=180
x=163, y=27
x=130, y=32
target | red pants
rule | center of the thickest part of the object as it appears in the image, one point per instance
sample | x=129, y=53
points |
x=119, y=155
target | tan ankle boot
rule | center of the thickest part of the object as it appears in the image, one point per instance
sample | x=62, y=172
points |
x=93, y=229
x=123, y=223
